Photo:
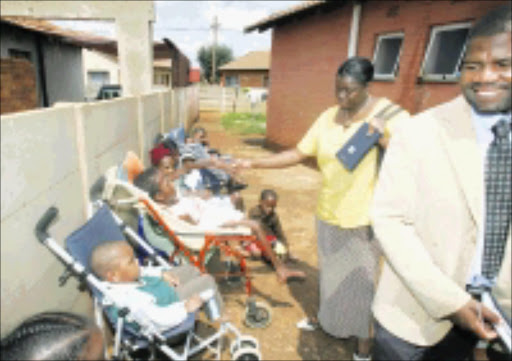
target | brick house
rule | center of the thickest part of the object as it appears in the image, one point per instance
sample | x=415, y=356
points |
x=250, y=70
x=416, y=48
x=40, y=64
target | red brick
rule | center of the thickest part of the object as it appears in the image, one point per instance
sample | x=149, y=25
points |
x=306, y=54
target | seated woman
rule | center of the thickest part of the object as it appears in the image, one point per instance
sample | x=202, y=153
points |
x=207, y=213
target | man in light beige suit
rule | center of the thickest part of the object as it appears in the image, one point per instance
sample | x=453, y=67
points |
x=429, y=213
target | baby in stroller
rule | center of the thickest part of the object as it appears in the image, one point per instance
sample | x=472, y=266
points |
x=165, y=297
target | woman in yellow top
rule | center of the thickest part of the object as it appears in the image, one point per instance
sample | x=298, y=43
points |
x=347, y=254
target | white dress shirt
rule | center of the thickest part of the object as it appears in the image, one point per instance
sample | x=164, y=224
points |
x=482, y=123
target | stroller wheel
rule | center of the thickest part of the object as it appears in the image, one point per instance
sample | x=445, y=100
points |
x=257, y=314
x=247, y=354
x=243, y=342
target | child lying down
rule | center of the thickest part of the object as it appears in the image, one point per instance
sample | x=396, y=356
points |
x=209, y=213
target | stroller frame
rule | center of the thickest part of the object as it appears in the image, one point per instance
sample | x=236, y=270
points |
x=241, y=347
x=257, y=313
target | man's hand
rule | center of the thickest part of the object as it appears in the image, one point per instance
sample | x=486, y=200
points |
x=193, y=303
x=171, y=279
x=477, y=318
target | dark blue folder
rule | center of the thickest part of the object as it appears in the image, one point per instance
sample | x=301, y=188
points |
x=361, y=142
x=357, y=146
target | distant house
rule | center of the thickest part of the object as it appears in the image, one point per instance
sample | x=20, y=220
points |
x=170, y=66
x=41, y=63
x=194, y=75
x=101, y=67
x=250, y=70
x=416, y=48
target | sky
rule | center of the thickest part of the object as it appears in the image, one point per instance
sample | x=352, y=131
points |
x=188, y=24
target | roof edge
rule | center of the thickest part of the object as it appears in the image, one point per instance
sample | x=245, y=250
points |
x=300, y=10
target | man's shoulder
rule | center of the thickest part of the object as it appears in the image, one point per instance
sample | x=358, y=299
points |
x=432, y=118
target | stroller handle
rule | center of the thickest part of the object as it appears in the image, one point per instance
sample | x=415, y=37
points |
x=43, y=223
x=97, y=188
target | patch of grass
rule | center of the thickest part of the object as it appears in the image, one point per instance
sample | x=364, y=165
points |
x=245, y=123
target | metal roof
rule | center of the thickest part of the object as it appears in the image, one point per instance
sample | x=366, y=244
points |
x=279, y=17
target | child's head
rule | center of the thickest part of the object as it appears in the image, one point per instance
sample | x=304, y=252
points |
x=162, y=158
x=268, y=201
x=187, y=159
x=159, y=185
x=199, y=136
x=114, y=261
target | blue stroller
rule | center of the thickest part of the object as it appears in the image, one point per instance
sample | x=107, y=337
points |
x=130, y=342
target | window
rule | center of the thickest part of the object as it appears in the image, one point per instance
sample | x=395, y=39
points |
x=232, y=80
x=266, y=81
x=387, y=55
x=445, y=51
x=20, y=54
x=98, y=78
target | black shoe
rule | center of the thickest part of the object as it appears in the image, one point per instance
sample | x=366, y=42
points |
x=233, y=186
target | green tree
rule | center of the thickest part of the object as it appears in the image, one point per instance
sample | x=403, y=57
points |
x=223, y=55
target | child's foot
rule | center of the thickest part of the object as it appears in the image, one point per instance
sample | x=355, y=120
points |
x=285, y=274
x=308, y=324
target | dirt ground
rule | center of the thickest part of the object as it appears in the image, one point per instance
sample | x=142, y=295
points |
x=297, y=188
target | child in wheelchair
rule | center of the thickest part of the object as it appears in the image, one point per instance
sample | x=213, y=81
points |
x=160, y=295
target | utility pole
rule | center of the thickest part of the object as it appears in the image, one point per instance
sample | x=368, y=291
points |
x=215, y=28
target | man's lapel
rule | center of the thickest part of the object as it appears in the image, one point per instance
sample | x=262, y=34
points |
x=459, y=138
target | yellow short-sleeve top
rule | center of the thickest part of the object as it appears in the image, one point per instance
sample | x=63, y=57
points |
x=345, y=196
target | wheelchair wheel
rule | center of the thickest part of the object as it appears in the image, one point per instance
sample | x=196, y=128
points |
x=243, y=342
x=247, y=354
x=257, y=314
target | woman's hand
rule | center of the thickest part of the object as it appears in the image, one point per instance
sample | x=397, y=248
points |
x=376, y=125
x=379, y=125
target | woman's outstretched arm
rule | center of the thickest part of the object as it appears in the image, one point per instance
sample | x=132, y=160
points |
x=282, y=159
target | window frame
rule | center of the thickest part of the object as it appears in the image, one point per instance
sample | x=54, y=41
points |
x=448, y=78
x=394, y=74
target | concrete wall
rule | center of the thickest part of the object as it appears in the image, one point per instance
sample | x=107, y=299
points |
x=307, y=52
x=51, y=157
x=214, y=98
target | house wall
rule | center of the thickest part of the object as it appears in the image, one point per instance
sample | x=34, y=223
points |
x=62, y=63
x=51, y=157
x=415, y=19
x=15, y=38
x=247, y=78
x=97, y=61
x=306, y=54
x=18, y=90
